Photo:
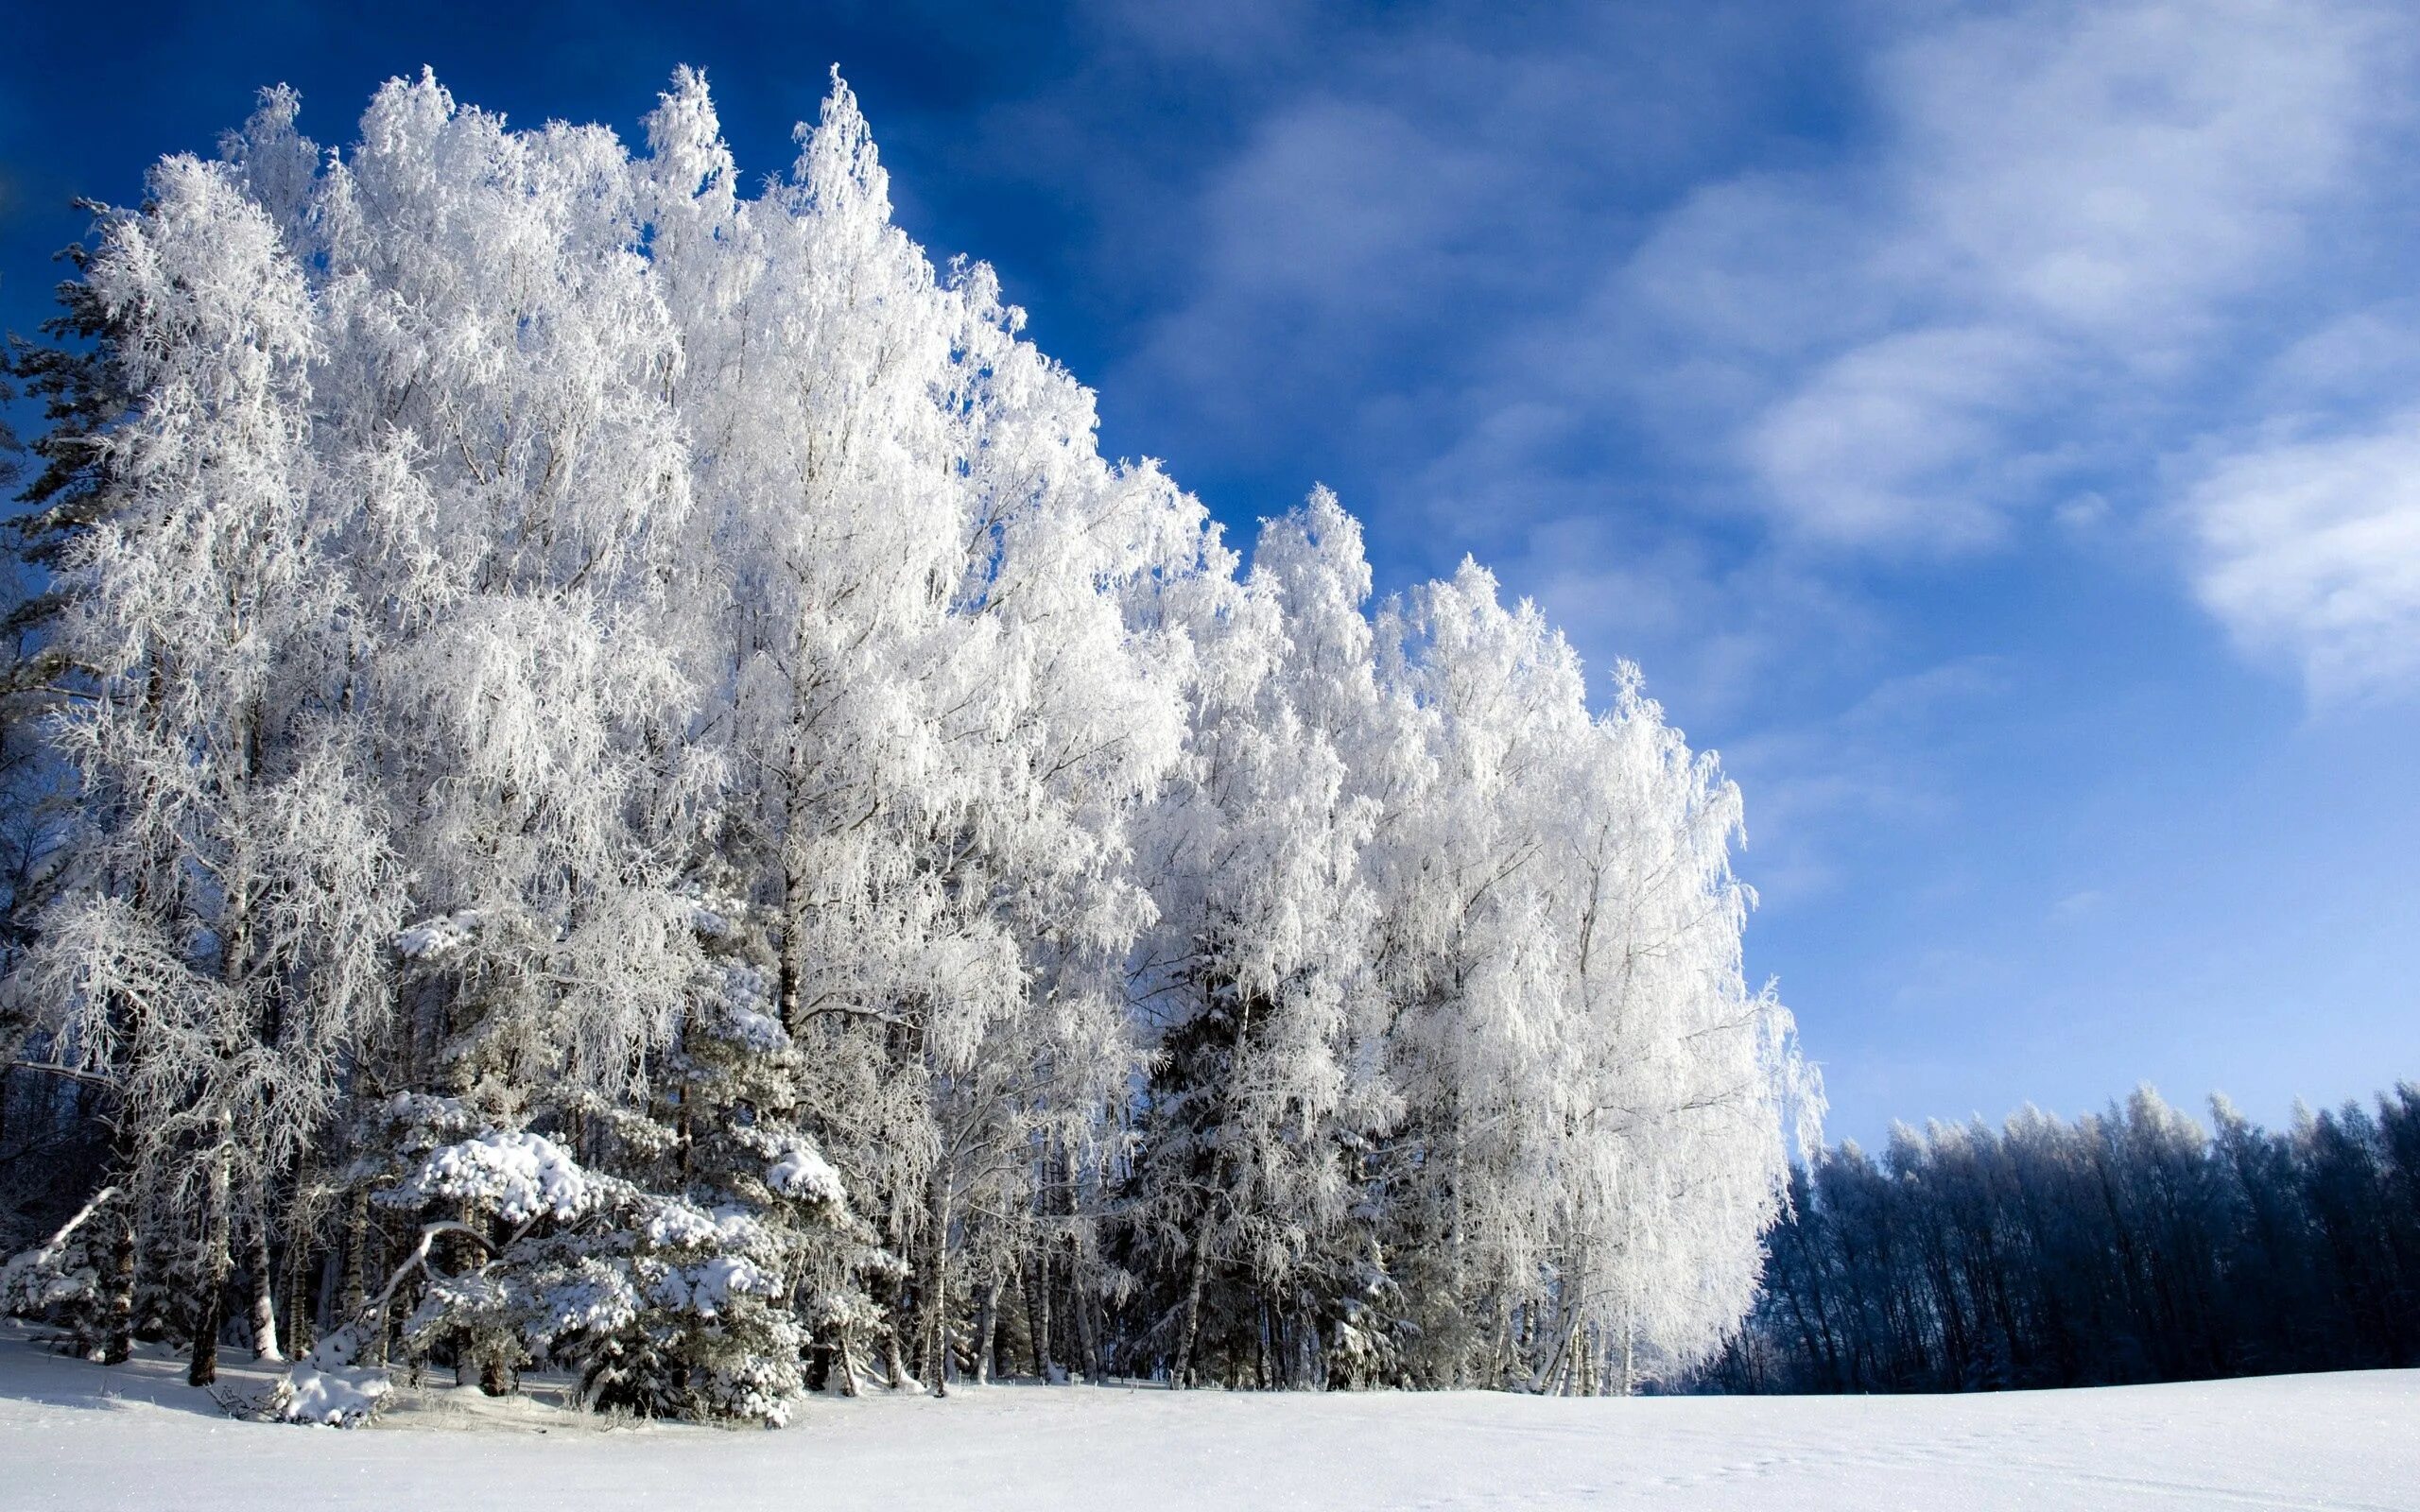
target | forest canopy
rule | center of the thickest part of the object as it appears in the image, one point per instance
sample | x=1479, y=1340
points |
x=606, y=779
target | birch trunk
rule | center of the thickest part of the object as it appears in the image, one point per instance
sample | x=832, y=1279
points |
x=1038, y=1310
x=1196, y=1271
x=212, y=1284
x=987, y=1326
x=263, y=1289
x=935, y=1300
x=1085, y=1302
x=894, y=1364
x=356, y=1256
x=117, y=1328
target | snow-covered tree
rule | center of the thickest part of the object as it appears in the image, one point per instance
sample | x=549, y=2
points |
x=581, y=678
x=1254, y=972
x=221, y=957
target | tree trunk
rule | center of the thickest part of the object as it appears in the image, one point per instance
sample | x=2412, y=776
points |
x=1037, y=1310
x=301, y=1315
x=325, y=1289
x=264, y=1288
x=789, y=984
x=1263, y=1372
x=936, y=1298
x=215, y=1265
x=356, y=1252
x=117, y=1332
x=987, y=1326
x=1085, y=1300
x=846, y=1353
x=894, y=1364
x=1196, y=1271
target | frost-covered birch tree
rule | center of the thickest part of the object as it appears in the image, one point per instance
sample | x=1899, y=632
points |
x=650, y=804
x=1253, y=974
x=221, y=957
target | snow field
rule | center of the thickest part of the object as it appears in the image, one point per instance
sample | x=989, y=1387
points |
x=76, y=1436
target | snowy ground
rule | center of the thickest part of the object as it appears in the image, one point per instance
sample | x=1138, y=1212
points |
x=74, y=1435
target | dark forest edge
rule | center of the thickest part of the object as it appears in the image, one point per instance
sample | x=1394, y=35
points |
x=2122, y=1247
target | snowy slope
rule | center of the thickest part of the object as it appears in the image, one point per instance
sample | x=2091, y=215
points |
x=74, y=1435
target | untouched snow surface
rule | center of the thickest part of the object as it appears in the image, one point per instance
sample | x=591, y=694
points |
x=75, y=1435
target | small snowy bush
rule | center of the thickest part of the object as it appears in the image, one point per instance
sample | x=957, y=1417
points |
x=327, y=1387
x=58, y=1280
x=660, y=1306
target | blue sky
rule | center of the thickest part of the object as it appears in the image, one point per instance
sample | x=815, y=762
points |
x=1995, y=429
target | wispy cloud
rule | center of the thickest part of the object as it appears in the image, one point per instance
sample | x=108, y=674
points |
x=1872, y=767
x=2013, y=265
x=2064, y=216
x=2077, y=905
x=2309, y=551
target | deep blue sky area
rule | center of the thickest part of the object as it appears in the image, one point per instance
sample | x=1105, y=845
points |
x=1995, y=429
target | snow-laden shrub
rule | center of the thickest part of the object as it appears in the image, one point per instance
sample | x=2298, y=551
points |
x=1367, y=1332
x=735, y=1008
x=433, y=937
x=45, y=1279
x=328, y=1386
x=659, y=1305
x=58, y=1280
x=802, y=1172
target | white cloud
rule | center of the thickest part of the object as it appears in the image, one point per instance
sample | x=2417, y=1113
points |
x=2310, y=551
x=1511, y=281
x=1425, y=190
x=1899, y=438
x=2067, y=214
x=2076, y=906
x=2112, y=168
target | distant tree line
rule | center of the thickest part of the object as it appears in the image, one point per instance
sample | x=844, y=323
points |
x=2127, y=1246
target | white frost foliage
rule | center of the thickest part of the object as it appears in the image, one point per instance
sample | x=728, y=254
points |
x=516, y=1176
x=433, y=937
x=221, y=955
x=563, y=631
x=707, y=1288
x=802, y=1172
x=1602, y=1098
